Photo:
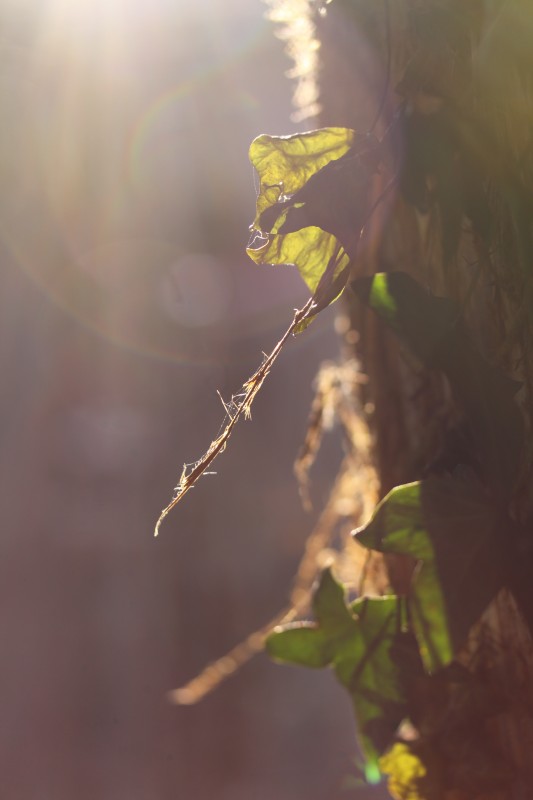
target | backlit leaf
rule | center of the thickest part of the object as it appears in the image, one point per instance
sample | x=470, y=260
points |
x=310, y=250
x=312, y=204
x=285, y=163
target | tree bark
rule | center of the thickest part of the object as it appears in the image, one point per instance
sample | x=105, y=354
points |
x=467, y=63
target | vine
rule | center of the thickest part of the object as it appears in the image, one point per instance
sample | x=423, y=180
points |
x=423, y=697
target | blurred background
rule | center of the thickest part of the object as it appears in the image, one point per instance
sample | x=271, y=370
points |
x=126, y=302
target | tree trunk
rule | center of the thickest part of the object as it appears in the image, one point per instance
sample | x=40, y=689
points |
x=458, y=221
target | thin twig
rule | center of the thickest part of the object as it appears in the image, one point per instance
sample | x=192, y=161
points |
x=250, y=389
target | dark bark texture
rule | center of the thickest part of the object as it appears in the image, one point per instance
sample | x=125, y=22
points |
x=446, y=86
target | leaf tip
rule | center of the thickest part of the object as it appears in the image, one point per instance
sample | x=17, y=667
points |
x=372, y=773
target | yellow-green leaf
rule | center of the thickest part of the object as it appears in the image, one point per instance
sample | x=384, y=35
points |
x=312, y=205
x=406, y=772
x=285, y=163
x=309, y=249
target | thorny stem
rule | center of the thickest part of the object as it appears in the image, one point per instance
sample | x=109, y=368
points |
x=243, y=407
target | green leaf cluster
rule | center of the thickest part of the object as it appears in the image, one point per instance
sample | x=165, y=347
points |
x=455, y=528
x=355, y=640
x=311, y=209
x=448, y=526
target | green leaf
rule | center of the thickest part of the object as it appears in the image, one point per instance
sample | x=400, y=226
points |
x=433, y=330
x=285, y=163
x=312, y=204
x=449, y=525
x=356, y=641
x=310, y=250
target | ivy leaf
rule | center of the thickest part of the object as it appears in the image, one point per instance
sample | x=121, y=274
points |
x=433, y=330
x=356, y=641
x=449, y=525
x=333, y=199
x=285, y=163
x=310, y=251
x=408, y=775
x=312, y=204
